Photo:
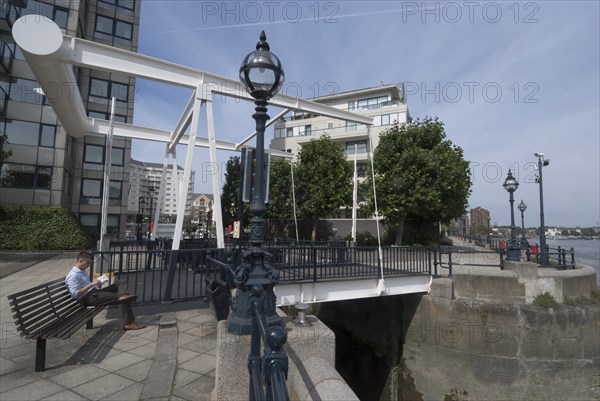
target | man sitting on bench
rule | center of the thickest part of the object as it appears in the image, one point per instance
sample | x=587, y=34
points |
x=89, y=292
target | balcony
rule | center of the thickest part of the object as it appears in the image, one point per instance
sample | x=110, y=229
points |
x=7, y=56
x=9, y=13
x=3, y=100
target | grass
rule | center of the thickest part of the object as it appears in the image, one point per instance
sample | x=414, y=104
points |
x=545, y=300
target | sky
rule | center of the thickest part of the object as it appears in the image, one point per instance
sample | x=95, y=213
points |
x=507, y=78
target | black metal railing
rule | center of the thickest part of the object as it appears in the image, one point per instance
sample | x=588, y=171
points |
x=562, y=257
x=158, y=275
x=268, y=372
x=446, y=258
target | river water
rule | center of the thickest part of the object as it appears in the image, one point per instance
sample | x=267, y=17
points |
x=586, y=251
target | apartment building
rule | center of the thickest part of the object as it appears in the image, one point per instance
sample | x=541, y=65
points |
x=385, y=103
x=144, y=183
x=480, y=218
x=49, y=167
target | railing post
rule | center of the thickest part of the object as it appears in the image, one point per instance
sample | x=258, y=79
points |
x=572, y=258
x=449, y=262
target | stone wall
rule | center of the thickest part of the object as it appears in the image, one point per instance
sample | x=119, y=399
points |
x=474, y=349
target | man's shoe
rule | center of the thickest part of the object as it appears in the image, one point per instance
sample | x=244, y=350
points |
x=127, y=298
x=134, y=326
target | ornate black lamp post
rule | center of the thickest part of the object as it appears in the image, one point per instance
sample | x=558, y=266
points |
x=522, y=207
x=543, y=251
x=263, y=76
x=140, y=217
x=511, y=184
x=150, y=222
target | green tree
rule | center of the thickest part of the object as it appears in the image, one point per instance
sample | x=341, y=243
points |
x=280, y=208
x=324, y=180
x=231, y=190
x=420, y=175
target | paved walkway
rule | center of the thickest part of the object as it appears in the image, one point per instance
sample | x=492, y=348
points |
x=173, y=358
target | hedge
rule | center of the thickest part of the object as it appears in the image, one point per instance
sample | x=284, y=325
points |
x=28, y=228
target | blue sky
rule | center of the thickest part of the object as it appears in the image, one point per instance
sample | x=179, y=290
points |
x=508, y=79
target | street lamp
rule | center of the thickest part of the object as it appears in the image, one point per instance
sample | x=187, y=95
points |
x=263, y=76
x=140, y=217
x=543, y=251
x=511, y=184
x=522, y=207
x=150, y=222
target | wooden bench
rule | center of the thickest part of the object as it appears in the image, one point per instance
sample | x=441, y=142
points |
x=49, y=311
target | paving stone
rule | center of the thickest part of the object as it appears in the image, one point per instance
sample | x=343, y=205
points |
x=16, y=379
x=32, y=391
x=145, y=351
x=120, y=361
x=201, y=364
x=184, y=355
x=132, y=392
x=138, y=372
x=201, y=346
x=67, y=395
x=102, y=387
x=200, y=389
x=8, y=366
x=74, y=377
x=184, y=377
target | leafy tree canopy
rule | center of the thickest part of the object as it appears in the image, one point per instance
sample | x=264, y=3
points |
x=420, y=174
x=323, y=179
x=231, y=190
x=280, y=208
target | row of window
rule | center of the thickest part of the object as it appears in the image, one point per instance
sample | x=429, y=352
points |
x=28, y=176
x=91, y=192
x=94, y=157
x=367, y=104
x=91, y=222
x=60, y=15
x=29, y=133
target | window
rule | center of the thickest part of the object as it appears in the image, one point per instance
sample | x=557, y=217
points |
x=352, y=126
x=28, y=133
x=109, y=28
x=25, y=176
x=361, y=147
x=91, y=222
x=124, y=4
x=94, y=157
x=367, y=104
x=102, y=92
x=59, y=15
x=289, y=131
x=106, y=116
x=330, y=125
x=22, y=90
x=305, y=130
x=385, y=119
x=91, y=192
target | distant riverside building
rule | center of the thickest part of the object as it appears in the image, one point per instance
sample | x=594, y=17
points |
x=385, y=103
x=202, y=213
x=49, y=167
x=480, y=217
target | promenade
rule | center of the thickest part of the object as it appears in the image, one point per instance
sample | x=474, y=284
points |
x=173, y=358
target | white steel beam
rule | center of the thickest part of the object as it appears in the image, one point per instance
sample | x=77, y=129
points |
x=271, y=122
x=216, y=182
x=326, y=291
x=187, y=172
